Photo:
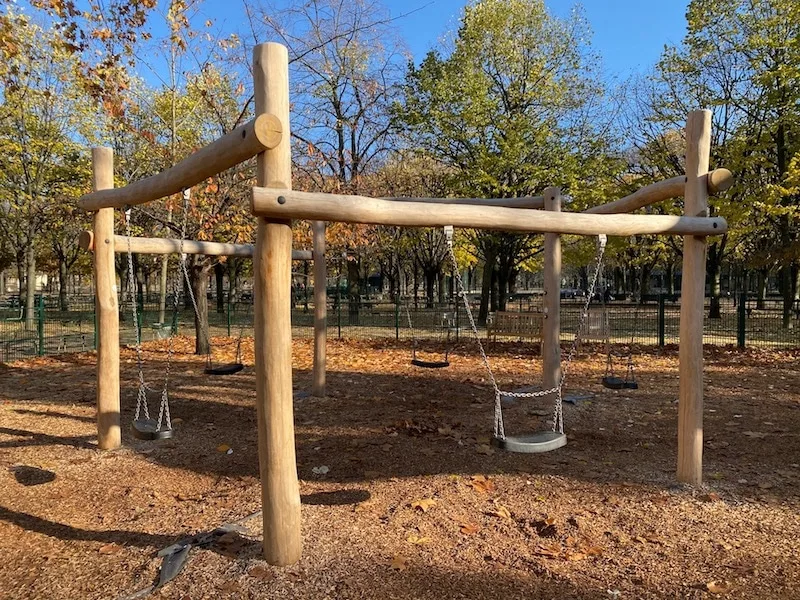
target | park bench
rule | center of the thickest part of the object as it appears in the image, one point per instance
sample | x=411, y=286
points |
x=523, y=326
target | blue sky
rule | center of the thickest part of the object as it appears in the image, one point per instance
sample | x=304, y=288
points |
x=628, y=34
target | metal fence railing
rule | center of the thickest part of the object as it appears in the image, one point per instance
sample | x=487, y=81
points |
x=743, y=322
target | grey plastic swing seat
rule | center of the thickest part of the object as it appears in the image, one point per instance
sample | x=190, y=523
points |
x=613, y=382
x=147, y=429
x=532, y=443
x=230, y=369
x=430, y=364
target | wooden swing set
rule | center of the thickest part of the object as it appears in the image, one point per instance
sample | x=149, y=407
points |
x=275, y=205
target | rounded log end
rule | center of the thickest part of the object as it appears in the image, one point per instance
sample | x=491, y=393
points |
x=86, y=240
x=268, y=130
x=719, y=180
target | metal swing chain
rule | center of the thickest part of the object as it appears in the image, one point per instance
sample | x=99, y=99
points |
x=203, y=327
x=558, y=413
x=558, y=421
x=163, y=411
x=629, y=374
x=141, y=394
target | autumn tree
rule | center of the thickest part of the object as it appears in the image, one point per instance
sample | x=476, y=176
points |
x=505, y=108
x=345, y=66
x=40, y=158
x=740, y=59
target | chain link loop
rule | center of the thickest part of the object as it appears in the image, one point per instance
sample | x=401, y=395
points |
x=141, y=393
x=558, y=416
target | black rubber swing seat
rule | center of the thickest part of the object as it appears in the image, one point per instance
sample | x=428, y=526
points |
x=613, y=383
x=427, y=364
x=531, y=443
x=631, y=385
x=230, y=369
x=147, y=429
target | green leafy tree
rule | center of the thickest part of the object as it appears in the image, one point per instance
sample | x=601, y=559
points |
x=508, y=110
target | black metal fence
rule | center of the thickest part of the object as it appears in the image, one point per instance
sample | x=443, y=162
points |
x=742, y=322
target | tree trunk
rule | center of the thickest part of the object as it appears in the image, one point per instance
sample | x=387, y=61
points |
x=353, y=291
x=442, y=287
x=786, y=291
x=233, y=279
x=305, y=286
x=513, y=278
x=644, y=281
x=493, y=291
x=669, y=273
x=430, y=287
x=219, y=278
x=63, y=280
x=486, y=288
x=762, y=288
x=200, y=287
x=30, y=286
x=502, y=286
x=162, y=288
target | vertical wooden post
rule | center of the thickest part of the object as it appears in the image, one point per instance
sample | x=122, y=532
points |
x=280, y=494
x=693, y=287
x=320, y=310
x=551, y=328
x=106, y=309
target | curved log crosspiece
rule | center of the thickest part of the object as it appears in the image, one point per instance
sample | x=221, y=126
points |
x=142, y=245
x=287, y=204
x=717, y=181
x=522, y=202
x=244, y=142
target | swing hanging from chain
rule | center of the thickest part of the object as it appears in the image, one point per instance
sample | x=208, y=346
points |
x=143, y=426
x=429, y=364
x=540, y=441
x=610, y=379
x=210, y=369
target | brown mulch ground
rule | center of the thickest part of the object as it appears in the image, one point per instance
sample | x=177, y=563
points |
x=414, y=504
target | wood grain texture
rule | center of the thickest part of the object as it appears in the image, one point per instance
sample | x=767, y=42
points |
x=693, y=286
x=244, y=142
x=142, y=245
x=106, y=308
x=280, y=493
x=320, y=310
x=551, y=327
x=717, y=181
x=523, y=202
x=283, y=204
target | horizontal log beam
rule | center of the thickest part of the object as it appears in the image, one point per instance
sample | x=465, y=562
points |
x=522, y=202
x=717, y=181
x=143, y=245
x=286, y=204
x=242, y=143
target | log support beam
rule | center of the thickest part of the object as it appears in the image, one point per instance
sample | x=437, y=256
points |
x=236, y=146
x=106, y=308
x=286, y=204
x=280, y=493
x=551, y=327
x=144, y=245
x=320, y=310
x=693, y=286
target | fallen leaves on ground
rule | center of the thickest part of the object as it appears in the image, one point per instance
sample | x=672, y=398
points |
x=719, y=587
x=418, y=540
x=423, y=505
x=398, y=563
x=500, y=511
x=481, y=483
x=468, y=528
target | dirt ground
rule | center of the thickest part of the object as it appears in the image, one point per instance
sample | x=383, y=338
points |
x=414, y=503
